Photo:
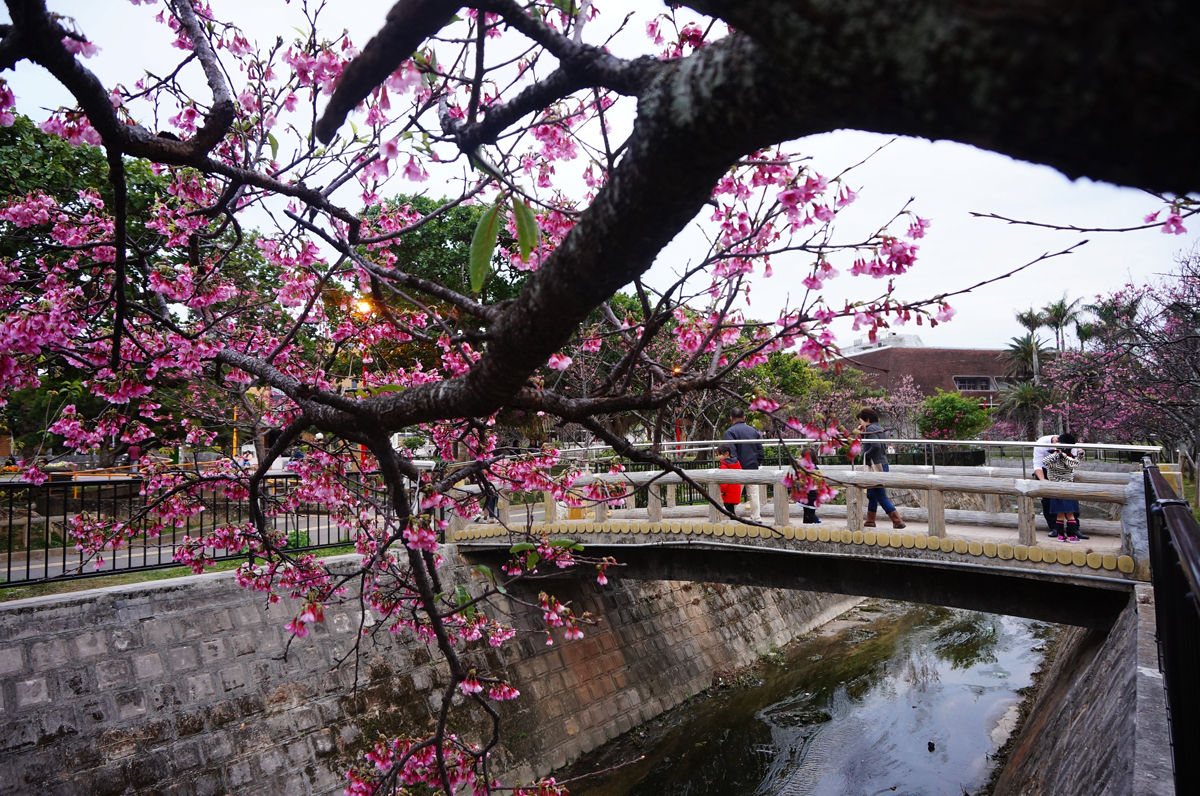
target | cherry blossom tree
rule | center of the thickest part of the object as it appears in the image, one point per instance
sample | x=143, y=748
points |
x=518, y=103
x=1138, y=375
x=902, y=407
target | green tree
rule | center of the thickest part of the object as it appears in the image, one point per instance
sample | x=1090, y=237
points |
x=790, y=375
x=1022, y=357
x=1033, y=320
x=439, y=250
x=949, y=415
x=33, y=162
x=1057, y=315
x=1023, y=403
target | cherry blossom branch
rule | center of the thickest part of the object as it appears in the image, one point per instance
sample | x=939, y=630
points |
x=220, y=117
x=1155, y=224
x=409, y=22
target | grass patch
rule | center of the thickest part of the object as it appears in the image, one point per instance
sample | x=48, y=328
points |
x=1189, y=494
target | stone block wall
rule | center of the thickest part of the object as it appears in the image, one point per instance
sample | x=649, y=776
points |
x=1098, y=727
x=183, y=687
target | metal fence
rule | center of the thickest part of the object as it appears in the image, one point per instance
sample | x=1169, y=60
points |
x=1175, y=572
x=36, y=521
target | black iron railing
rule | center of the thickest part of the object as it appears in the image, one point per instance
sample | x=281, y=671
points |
x=1175, y=571
x=35, y=522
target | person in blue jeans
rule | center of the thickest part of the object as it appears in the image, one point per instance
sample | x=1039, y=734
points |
x=875, y=457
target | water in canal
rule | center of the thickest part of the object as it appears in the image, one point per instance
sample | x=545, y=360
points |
x=892, y=698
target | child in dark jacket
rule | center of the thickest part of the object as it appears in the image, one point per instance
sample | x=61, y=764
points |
x=731, y=494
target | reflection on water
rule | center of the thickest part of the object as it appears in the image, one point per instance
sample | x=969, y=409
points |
x=901, y=700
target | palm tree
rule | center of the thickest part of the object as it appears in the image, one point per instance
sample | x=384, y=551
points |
x=1116, y=320
x=1022, y=356
x=1057, y=315
x=1023, y=403
x=1111, y=312
x=1033, y=320
x=1085, y=330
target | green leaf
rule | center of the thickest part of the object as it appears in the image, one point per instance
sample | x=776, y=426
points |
x=570, y=544
x=486, y=571
x=531, y=560
x=388, y=388
x=527, y=228
x=565, y=6
x=521, y=547
x=462, y=597
x=274, y=146
x=482, y=245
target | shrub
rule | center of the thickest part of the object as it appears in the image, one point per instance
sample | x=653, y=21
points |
x=949, y=415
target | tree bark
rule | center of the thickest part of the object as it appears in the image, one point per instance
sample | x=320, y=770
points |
x=1105, y=89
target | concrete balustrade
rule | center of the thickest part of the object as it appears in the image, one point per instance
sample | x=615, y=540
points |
x=991, y=482
x=1033, y=553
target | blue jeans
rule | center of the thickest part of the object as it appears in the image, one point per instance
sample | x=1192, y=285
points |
x=877, y=498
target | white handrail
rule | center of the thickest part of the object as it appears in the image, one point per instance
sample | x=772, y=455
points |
x=985, y=443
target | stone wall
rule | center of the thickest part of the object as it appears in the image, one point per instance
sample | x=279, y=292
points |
x=183, y=687
x=1098, y=727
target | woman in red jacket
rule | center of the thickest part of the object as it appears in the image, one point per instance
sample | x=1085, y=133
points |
x=731, y=494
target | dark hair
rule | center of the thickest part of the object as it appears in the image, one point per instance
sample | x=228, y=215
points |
x=737, y=411
x=724, y=449
x=1067, y=439
x=869, y=415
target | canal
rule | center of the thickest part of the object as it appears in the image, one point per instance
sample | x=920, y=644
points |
x=891, y=698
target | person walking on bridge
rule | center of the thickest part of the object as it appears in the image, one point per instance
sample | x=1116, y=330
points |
x=875, y=457
x=748, y=454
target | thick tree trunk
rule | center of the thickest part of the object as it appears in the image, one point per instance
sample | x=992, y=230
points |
x=1101, y=88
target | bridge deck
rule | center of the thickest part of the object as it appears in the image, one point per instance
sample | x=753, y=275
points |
x=1101, y=554
x=978, y=568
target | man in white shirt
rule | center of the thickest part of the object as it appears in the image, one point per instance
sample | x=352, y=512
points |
x=1039, y=472
x=1040, y=454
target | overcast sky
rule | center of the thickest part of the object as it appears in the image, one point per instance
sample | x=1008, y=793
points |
x=948, y=181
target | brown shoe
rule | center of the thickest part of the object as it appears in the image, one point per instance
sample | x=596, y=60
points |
x=897, y=523
x=870, y=521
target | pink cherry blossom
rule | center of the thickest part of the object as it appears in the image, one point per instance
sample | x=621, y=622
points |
x=1173, y=224
x=918, y=226
x=77, y=47
x=414, y=171
x=761, y=404
x=7, y=103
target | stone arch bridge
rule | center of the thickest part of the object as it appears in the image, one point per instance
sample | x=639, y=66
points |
x=986, y=561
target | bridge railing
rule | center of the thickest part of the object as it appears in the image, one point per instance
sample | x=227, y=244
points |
x=930, y=450
x=990, y=482
x=1175, y=573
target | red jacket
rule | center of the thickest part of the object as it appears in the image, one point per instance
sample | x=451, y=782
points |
x=731, y=493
